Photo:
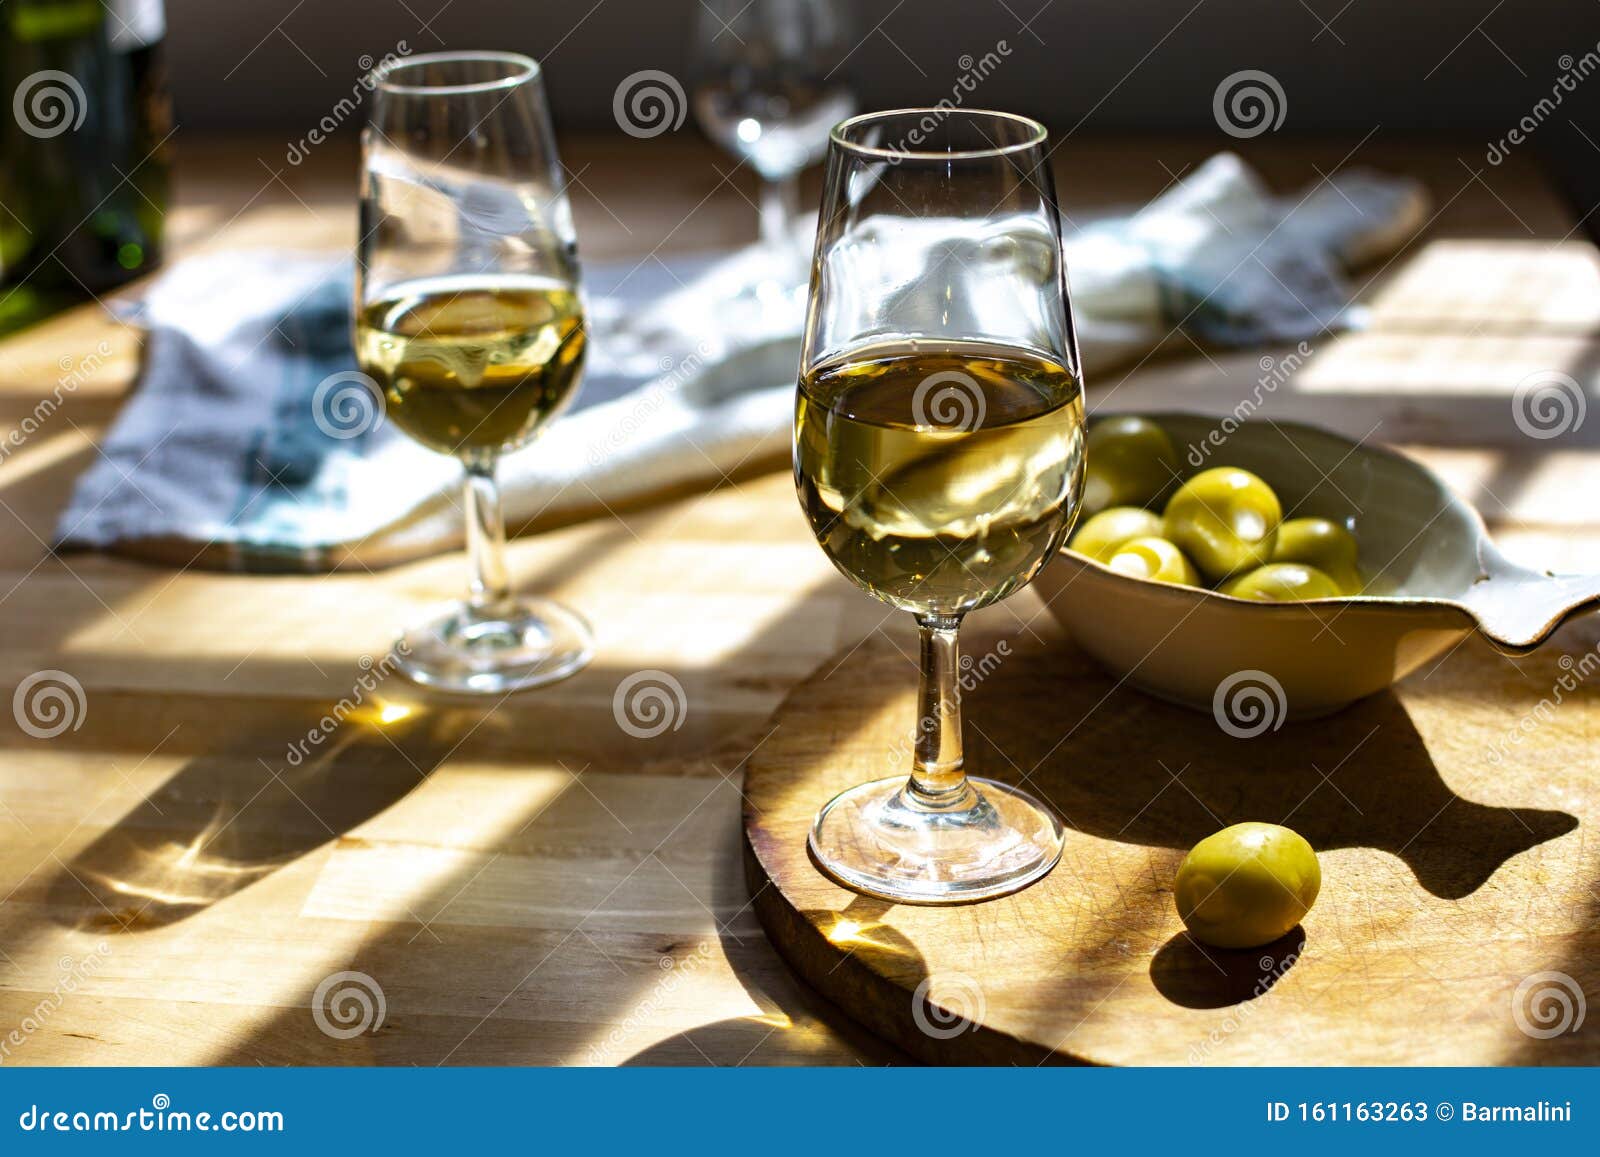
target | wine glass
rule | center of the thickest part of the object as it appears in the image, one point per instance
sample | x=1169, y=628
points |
x=939, y=447
x=768, y=85
x=468, y=322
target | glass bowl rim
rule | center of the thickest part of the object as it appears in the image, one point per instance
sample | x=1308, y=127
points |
x=1037, y=135
x=525, y=69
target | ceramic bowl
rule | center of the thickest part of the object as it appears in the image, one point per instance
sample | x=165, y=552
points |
x=1424, y=549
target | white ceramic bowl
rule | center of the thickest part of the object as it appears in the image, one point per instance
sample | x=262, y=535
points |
x=1424, y=548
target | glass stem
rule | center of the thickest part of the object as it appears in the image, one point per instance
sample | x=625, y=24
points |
x=486, y=536
x=780, y=205
x=937, y=778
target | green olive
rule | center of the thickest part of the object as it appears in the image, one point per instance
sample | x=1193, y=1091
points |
x=1247, y=885
x=1129, y=462
x=1282, y=582
x=1153, y=558
x=1109, y=529
x=1323, y=544
x=1226, y=519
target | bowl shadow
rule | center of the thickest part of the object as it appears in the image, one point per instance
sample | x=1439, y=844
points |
x=1123, y=766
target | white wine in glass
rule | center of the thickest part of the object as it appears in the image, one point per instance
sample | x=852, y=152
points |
x=939, y=448
x=473, y=366
x=469, y=324
x=938, y=517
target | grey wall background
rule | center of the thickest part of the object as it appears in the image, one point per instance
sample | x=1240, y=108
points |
x=1472, y=66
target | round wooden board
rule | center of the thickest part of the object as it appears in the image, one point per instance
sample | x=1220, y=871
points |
x=1449, y=877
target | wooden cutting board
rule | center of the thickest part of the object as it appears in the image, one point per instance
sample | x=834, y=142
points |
x=1455, y=819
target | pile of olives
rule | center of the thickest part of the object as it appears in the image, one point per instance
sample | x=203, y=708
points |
x=1223, y=528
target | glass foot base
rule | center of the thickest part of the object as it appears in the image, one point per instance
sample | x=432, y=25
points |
x=487, y=652
x=878, y=839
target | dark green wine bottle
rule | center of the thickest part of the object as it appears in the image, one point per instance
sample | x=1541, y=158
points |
x=85, y=152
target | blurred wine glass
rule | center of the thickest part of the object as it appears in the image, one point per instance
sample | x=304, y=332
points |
x=769, y=83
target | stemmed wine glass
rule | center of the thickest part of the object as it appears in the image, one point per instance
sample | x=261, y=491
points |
x=769, y=83
x=468, y=322
x=938, y=455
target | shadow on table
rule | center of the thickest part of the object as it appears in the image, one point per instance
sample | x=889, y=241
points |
x=1125, y=767
x=782, y=996
x=519, y=991
x=1196, y=975
x=1140, y=771
x=1549, y=1009
x=238, y=811
x=293, y=779
x=226, y=820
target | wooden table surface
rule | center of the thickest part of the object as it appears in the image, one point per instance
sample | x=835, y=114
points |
x=524, y=881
